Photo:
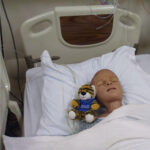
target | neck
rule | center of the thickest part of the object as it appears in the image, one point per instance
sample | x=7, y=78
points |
x=113, y=105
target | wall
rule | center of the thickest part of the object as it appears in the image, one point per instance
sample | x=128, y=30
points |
x=137, y=7
x=21, y=10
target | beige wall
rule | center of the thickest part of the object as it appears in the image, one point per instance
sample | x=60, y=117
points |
x=21, y=10
x=137, y=7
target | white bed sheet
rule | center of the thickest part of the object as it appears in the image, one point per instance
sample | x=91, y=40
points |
x=124, y=129
x=33, y=90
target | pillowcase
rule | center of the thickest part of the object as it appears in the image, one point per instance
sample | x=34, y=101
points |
x=32, y=100
x=134, y=80
x=61, y=83
x=144, y=60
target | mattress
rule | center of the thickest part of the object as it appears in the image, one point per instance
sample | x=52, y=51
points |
x=33, y=90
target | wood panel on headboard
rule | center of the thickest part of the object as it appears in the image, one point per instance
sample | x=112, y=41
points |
x=86, y=30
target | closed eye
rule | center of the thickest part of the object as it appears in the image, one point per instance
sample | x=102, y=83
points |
x=100, y=83
x=114, y=79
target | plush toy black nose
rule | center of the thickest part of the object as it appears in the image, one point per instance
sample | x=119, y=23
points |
x=83, y=93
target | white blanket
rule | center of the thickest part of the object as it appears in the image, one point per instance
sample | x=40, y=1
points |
x=125, y=128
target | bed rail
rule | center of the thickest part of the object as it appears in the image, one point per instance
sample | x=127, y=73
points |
x=50, y=37
x=4, y=97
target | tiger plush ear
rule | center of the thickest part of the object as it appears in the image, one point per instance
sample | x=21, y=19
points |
x=94, y=89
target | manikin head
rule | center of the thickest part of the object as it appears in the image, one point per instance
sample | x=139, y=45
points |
x=108, y=87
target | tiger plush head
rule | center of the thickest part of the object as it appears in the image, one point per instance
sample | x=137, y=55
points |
x=86, y=92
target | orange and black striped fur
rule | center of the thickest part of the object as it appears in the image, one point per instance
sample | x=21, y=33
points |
x=87, y=95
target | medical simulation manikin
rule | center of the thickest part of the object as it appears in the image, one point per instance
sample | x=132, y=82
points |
x=108, y=90
x=108, y=94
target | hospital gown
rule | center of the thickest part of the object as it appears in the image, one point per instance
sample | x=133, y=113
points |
x=84, y=125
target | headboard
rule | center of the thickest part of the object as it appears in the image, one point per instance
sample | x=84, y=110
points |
x=76, y=33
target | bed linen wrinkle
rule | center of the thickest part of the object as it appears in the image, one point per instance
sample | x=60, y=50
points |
x=104, y=61
x=120, y=126
x=134, y=82
x=130, y=144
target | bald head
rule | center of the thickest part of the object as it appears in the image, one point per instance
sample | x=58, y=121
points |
x=101, y=73
x=108, y=87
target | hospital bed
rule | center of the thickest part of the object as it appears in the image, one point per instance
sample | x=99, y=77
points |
x=34, y=83
x=52, y=37
x=124, y=29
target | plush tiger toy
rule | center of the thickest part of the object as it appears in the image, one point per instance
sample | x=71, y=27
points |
x=84, y=108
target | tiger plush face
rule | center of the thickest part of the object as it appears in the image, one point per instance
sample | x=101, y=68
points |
x=86, y=92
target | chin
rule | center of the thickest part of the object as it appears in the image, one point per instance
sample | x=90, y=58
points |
x=114, y=97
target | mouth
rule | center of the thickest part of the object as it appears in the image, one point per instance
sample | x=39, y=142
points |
x=110, y=89
x=83, y=96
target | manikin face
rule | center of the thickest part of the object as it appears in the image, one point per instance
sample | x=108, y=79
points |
x=108, y=87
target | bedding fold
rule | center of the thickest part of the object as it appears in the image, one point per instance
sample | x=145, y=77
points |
x=121, y=127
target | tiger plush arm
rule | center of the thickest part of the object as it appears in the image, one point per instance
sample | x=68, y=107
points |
x=95, y=105
x=75, y=103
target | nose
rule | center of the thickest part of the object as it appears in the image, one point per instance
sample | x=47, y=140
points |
x=108, y=83
x=83, y=93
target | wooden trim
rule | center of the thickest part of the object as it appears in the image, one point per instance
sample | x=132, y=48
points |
x=84, y=30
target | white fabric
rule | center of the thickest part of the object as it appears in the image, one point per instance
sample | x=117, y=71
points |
x=61, y=82
x=59, y=87
x=135, y=82
x=32, y=101
x=133, y=144
x=144, y=62
x=125, y=126
x=33, y=92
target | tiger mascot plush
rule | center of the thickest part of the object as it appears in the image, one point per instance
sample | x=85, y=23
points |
x=84, y=108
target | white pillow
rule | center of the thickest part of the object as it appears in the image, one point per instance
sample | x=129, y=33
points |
x=32, y=100
x=61, y=84
x=135, y=81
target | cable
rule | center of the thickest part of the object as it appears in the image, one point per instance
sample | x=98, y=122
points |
x=11, y=93
x=1, y=36
x=19, y=101
x=15, y=49
x=103, y=17
x=145, y=8
x=104, y=25
x=115, y=3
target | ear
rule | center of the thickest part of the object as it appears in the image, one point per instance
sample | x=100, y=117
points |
x=93, y=87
